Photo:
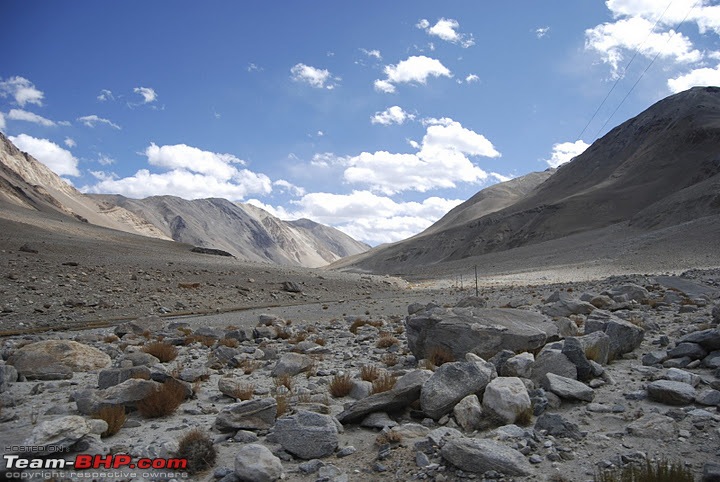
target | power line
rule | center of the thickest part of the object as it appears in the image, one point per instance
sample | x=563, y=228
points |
x=637, y=51
x=675, y=31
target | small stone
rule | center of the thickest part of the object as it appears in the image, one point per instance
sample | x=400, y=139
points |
x=345, y=451
x=535, y=459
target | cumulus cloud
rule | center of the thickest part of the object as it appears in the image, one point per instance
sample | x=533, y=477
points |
x=328, y=159
x=701, y=76
x=391, y=115
x=22, y=90
x=105, y=95
x=190, y=173
x=440, y=162
x=366, y=216
x=91, y=120
x=318, y=78
x=565, y=152
x=414, y=69
x=23, y=115
x=59, y=160
x=70, y=142
x=446, y=29
x=148, y=94
x=2, y=121
x=472, y=78
x=289, y=187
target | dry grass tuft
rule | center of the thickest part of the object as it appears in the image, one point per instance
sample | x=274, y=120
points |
x=111, y=339
x=357, y=324
x=283, y=404
x=286, y=381
x=660, y=471
x=386, y=340
x=243, y=391
x=389, y=437
x=390, y=359
x=341, y=385
x=299, y=336
x=383, y=383
x=164, y=401
x=320, y=341
x=439, y=355
x=198, y=449
x=208, y=341
x=369, y=373
x=524, y=418
x=229, y=342
x=164, y=352
x=115, y=418
x=249, y=366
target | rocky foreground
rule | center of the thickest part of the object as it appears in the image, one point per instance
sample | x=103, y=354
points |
x=526, y=383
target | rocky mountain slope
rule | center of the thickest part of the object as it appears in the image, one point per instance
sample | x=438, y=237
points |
x=655, y=171
x=246, y=231
x=26, y=182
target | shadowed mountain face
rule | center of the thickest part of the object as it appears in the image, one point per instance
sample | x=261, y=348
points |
x=657, y=170
x=246, y=231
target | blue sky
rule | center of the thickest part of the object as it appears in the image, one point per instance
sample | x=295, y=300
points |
x=374, y=117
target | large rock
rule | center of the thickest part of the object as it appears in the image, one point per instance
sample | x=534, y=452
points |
x=628, y=292
x=127, y=393
x=307, y=435
x=62, y=432
x=482, y=455
x=255, y=463
x=388, y=401
x=552, y=361
x=574, y=350
x=708, y=339
x=468, y=413
x=568, y=388
x=482, y=331
x=653, y=426
x=566, y=305
x=557, y=426
x=624, y=336
x=452, y=382
x=519, y=366
x=671, y=393
x=507, y=399
x=114, y=376
x=151, y=323
x=258, y=414
x=291, y=364
x=596, y=346
x=34, y=360
x=8, y=376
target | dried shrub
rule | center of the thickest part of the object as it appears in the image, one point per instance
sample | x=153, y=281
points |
x=283, y=404
x=198, y=449
x=341, y=385
x=249, y=366
x=390, y=359
x=164, y=352
x=320, y=341
x=357, y=324
x=229, y=342
x=115, y=418
x=208, y=341
x=185, y=330
x=283, y=333
x=163, y=401
x=300, y=336
x=660, y=471
x=375, y=323
x=383, y=383
x=386, y=340
x=286, y=381
x=111, y=339
x=389, y=437
x=305, y=397
x=147, y=334
x=439, y=355
x=243, y=391
x=524, y=418
x=369, y=373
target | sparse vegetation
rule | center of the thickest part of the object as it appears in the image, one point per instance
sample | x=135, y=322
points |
x=341, y=385
x=283, y=404
x=249, y=366
x=357, y=324
x=383, y=383
x=439, y=355
x=163, y=401
x=110, y=339
x=208, y=341
x=243, y=391
x=115, y=418
x=388, y=437
x=164, y=352
x=390, y=359
x=660, y=471
x=386, y=340
x=524, y=418
x=198, y=449
x=286, y=381
x=369, y=373
x=229, y=342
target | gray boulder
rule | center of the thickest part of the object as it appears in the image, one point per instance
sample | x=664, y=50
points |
x=557, y=426
x=468, y=413
x=482, y=331
x=596, y=346
x=575, y=352
x=307, y=435
x=452, y=382
x=127, y=393
x=63, y=432
x=507, y=399
x=8, y=376
x=708, y=339
x=695, y=351
x=482, y=455
x=671, y=393
x=653, y=426
x=519, y=366
x=258, y=414
x=151, y=323
x=624, y=336
x=292, y=364
x=568, y=388
x=566, y=306
x=255, y=463
x=115, y=376
x=552, y=361
x=388, y=401
x=628, y=292
x=47, y=359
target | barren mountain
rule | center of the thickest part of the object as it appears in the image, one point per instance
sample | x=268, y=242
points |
x=651, y=173
x=26, y=182
x=243, y=230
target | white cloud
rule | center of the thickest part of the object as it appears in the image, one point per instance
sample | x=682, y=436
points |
x=440, y=162
x=565, y=152
x=366, y=216
x=413, y=69
x=2, y=121
x=70, y=142
x=318, y=78
x=59, y=160
x=372, y=53
x=391, y=115
x=191, y=173
x=446, y=29
x=472, y=78
x=254, y=68
x=701, y=76
x=22, y=90
x=289, y=187
x=105, y=160
x=23, y=115
x=105, y=95
x=91, y=120
x=328, y=159
x=149, y=95
x=540, y=32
